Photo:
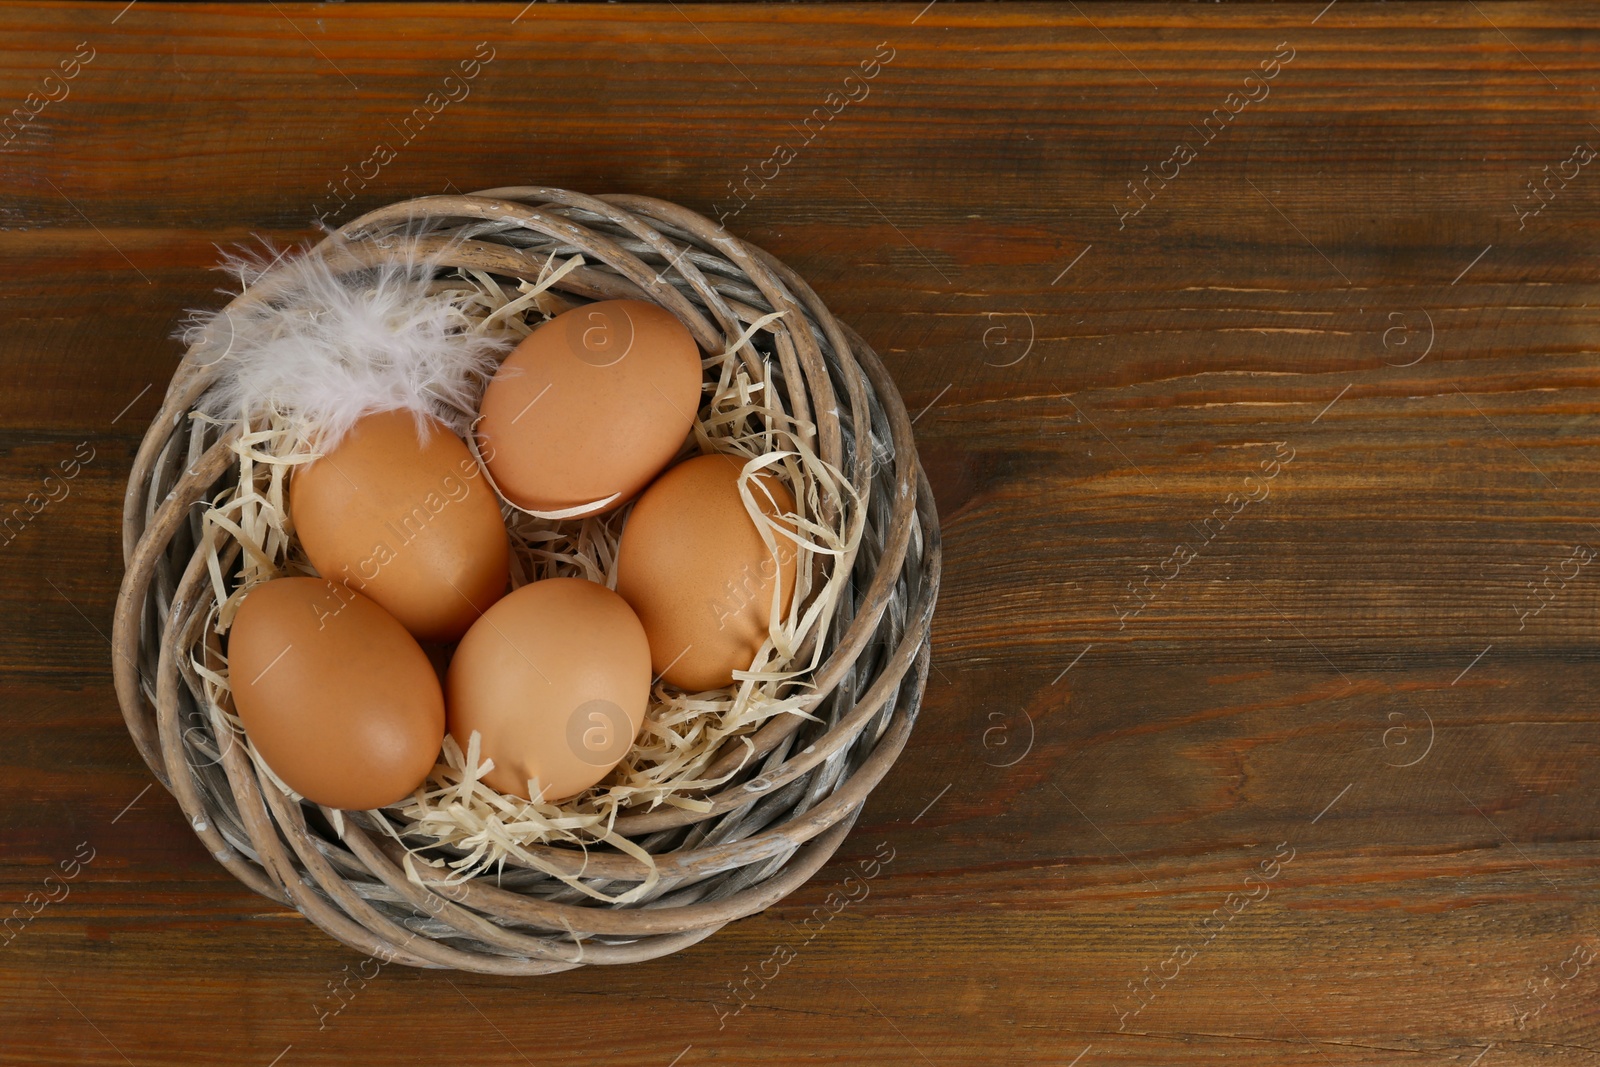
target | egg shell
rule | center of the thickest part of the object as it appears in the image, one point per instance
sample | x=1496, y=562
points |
x=590, y=407
x=407, y=520
x=555, y=678
x=693, y=566
x=334, y=694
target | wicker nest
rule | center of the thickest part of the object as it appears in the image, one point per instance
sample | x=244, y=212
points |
x=792, y=788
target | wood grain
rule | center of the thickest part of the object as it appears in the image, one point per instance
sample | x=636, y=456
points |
x=1082, y=790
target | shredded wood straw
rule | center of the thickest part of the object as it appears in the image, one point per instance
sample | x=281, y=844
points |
x=683, y=733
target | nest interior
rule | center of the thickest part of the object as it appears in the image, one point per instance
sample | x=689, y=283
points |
x=785, y=792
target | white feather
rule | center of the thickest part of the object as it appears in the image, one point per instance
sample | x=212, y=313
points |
x=331, y=347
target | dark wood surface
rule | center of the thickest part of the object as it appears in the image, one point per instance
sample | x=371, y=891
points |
x=1375, y=663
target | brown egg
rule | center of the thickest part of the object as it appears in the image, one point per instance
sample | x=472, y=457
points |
x=555, y=678
x=590, y=407
x=692, y=564
x=334, y=694
x=406, y=521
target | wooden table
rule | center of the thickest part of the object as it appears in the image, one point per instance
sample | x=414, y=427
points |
x=1263, y=725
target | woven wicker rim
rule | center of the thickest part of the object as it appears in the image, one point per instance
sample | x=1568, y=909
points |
x=778, y=819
